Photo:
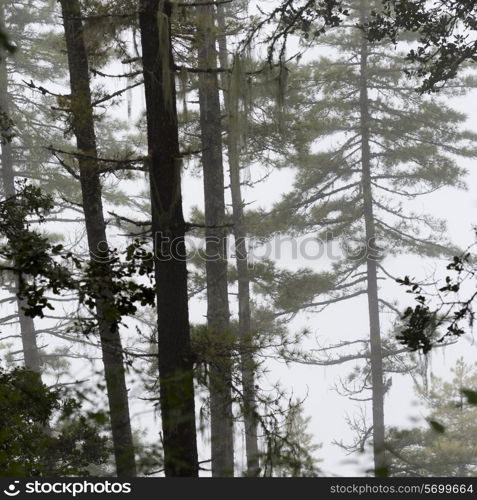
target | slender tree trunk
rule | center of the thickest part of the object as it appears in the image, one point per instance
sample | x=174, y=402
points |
x=83, y=127
x=31, y=353
x=218, y=314
x=247, y=364
x=168, y=228
x=377, y=376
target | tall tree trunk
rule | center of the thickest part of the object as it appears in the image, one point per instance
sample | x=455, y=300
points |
x=377, y=376
x=31, y=353
x=218, y=314
x=83, y=127
x=168, y=228
x=247, y=364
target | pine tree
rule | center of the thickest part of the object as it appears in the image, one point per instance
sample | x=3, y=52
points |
x=245, y=333
x=20, y=130
x=168, y=230
x=220, y=376
x=30, y=449
x=387, y=143
x=291, y=454
x=84, y=130
x=448, y=447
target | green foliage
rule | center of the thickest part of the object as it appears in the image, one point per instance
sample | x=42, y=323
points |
x=290, y=448
x=443, y=29
x=423, y=323
x=5, y=42
x=307, y=18
x=43, y=431
x=436, y=426
x=415, y=144
x=471, y=396
x=288, y=291
x=448, y=447
x=50, y=268
x=32, y=123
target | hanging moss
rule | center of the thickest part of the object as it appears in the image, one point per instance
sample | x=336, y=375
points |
x=239, y=104
x=129, y=94
x=184, y=13
x=282, y=87
x=234, y=100
x=281, y=92
x=183, y=77
x=165, y=57
x=276, y=79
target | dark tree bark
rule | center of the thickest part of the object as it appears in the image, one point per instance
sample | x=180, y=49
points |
x=377, y=376
x=218, y=314
x=247, y=364
x=83, y=127
x=31, y=353
x=168, y=228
